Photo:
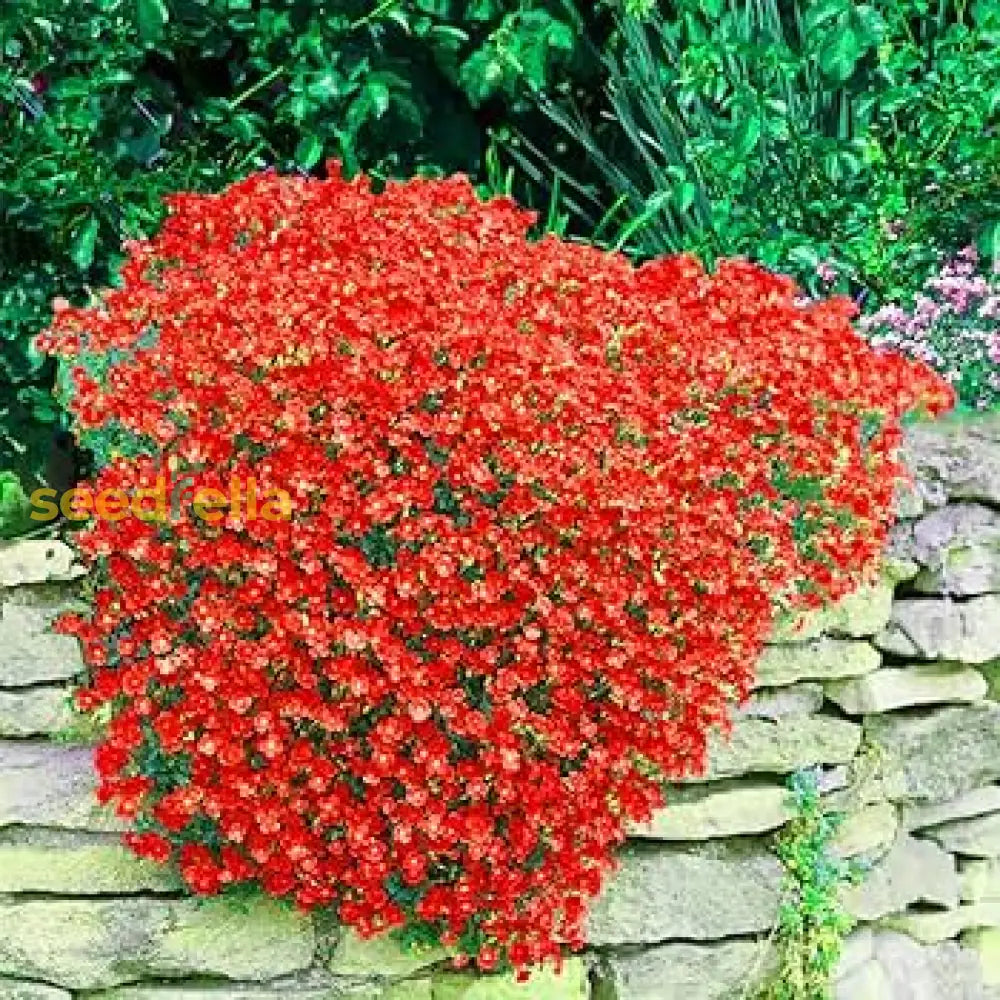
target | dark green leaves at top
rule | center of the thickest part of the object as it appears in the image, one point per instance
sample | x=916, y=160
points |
x=841, y=34
x=746, y=134
x=522, y=52
x=308, y=151
x=152, y=16
x=84, y=242
x=481, y=10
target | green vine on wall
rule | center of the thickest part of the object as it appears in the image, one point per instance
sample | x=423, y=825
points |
x=812, y=922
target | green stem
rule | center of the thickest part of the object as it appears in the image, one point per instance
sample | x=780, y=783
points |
x=258, y=86
x=376, y=13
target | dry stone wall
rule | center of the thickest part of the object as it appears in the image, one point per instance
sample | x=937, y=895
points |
x=892, y=695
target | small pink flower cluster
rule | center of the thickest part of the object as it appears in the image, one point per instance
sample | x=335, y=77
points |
x=953, y=324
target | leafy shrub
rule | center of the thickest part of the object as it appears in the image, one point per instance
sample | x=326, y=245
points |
x=545, y=506
x=866, y=135
x=953, y=325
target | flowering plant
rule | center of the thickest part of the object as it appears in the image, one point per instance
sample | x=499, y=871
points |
x=545, y=507
x=953, y=325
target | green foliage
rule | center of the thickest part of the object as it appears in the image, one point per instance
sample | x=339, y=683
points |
x=811, y=921
x=84, y=728
x=521, y=52
x=798, y=132
x=15, y=506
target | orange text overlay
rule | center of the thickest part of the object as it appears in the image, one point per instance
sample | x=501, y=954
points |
x=244, y=502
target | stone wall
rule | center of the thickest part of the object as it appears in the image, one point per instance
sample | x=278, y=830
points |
x=891, y=695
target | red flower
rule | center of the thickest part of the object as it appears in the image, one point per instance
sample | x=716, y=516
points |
x=542, y=507
x=200, y=869
x=149, y=845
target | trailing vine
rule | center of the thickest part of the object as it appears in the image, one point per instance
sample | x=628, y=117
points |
x=812, y=921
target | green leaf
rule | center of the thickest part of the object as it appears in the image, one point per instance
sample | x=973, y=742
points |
x=854, y=33
x=308, y=151
x=841, y=53
x=14, y=506
x=746, y=135
x=561, y=36
x=684, y=195
x=870, y=23
x=378, y=95
x=152, y=16
x=653, y=206
x=822, y=13
x=481, y=10
x=988, y=241
x=482, y=76
x=84, y=242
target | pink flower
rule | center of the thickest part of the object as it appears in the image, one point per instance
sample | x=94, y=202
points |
x=826, y=272
x=994, y=348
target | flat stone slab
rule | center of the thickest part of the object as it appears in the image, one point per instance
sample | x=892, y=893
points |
x=408, y=989
x=957, y=458
x=905, y=687
x=29, y=652
x=66, y=863
x=817, y=660
x=861, y=613
x=914, y=871
x=719, y=809
x=308, y=986
x=382, y=955
x=28, y=561
x=934, y=928
x=856, y=949
x=869, y=831
x=936, y=972
x=94, y=944
x=19, y=989
x=985, y=943
x=781, y=746
x=37, y=711
x=957, y=548
x=941, y=629
x=688, y=971
x=869, y=981
x=702, y=892
x=774, y=703
x=978, y=837
x=936, y=755
x=980, y=880
x=545, y=984
x=977, y=802
x=43, y=784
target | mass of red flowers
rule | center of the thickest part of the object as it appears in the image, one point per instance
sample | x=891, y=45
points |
x=546, y=505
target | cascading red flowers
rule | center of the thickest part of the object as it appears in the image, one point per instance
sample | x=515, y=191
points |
x=544, y=507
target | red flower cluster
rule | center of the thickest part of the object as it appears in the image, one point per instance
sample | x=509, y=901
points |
x=545, y=507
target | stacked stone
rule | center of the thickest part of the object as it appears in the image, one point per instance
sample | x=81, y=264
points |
x=890, y=695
